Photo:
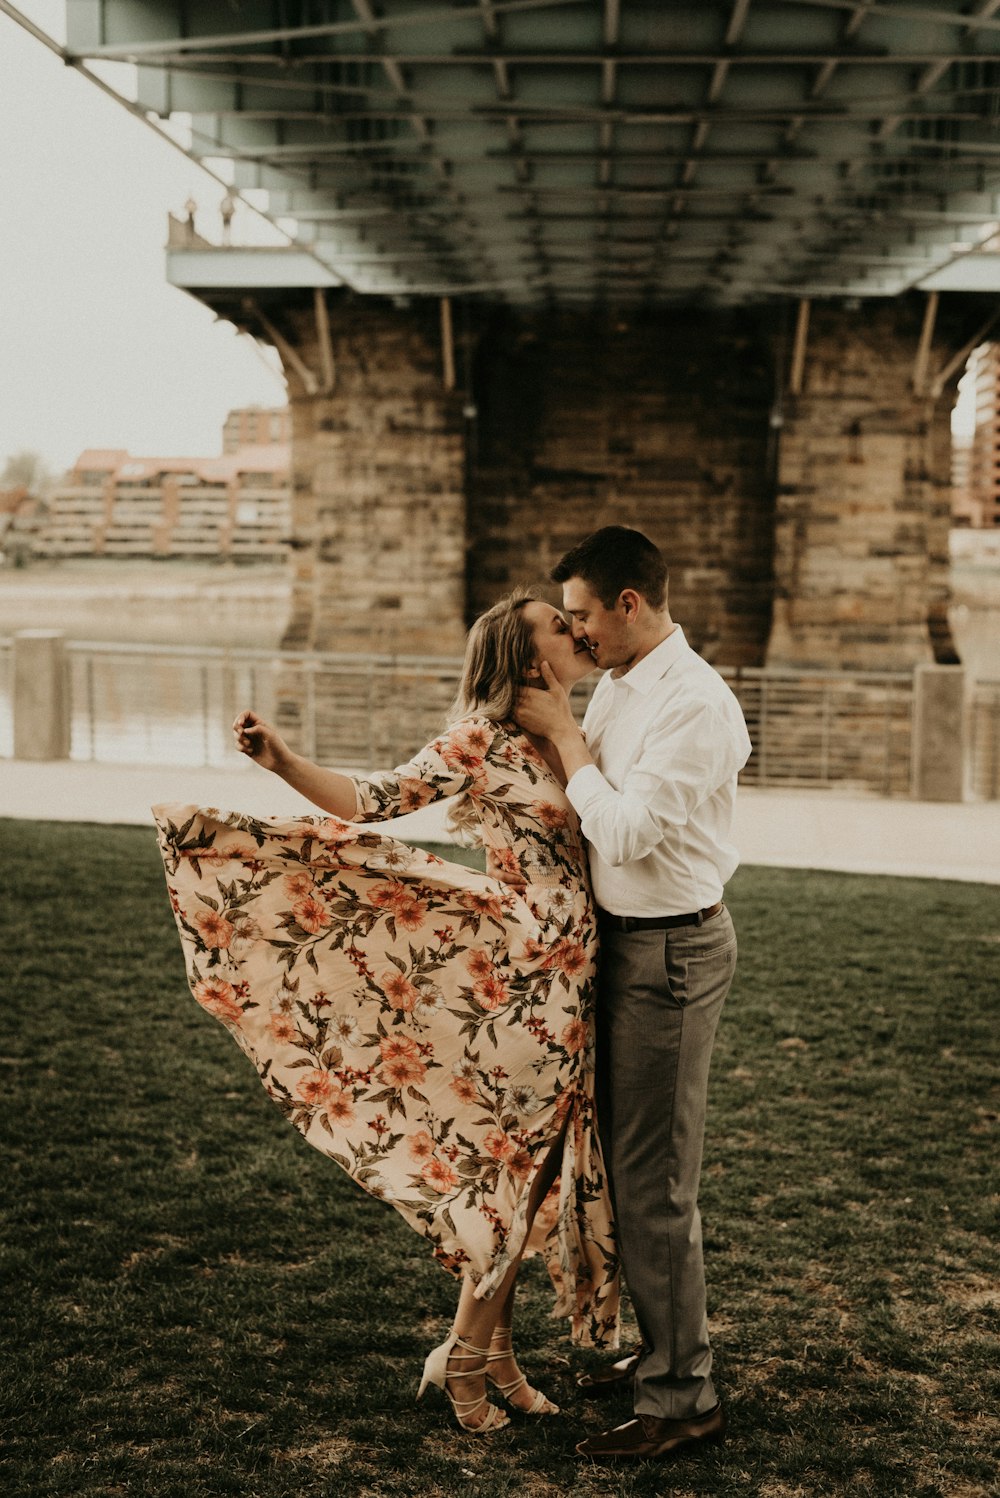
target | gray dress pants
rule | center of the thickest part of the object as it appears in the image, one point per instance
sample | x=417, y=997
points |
x=660, y=997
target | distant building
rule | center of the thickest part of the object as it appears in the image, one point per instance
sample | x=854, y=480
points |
x=256, y=426
x=976, y=461
x=115, y=505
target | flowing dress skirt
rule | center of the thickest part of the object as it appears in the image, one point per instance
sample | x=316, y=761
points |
x=418, y=1022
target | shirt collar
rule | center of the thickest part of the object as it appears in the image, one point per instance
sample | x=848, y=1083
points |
x=646, y=673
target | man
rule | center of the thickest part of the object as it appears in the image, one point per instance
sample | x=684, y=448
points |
x=653, y=782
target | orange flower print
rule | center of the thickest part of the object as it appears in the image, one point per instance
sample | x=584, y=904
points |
x=410, y=913
x=485, y=904
x=215, y=930
x=491, y=993
x=403, y=1071
x=421, y=1145
x=505, y=861
x=519, y=1164
x=314, y=1086
x=439, y=1174
x=242, y=853
x=298, y=885
x=552, y=817
x=216, y=995
x=399, y=990
x=333, y=831
x=568, y=956
x=498, y=1144
x=476, y=737
x=339, y=1107
x=384, y=895
x=532, y=950
x=465, y=748
x=459, y=756
x=413, y=794
x=574, y=1037
x=282, y=1028
x=397, y=1045
x=479, y=963
x=214, y=857
x=310, y=914
x=464, y=1089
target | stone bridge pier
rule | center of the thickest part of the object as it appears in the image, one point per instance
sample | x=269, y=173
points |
x=792, y=462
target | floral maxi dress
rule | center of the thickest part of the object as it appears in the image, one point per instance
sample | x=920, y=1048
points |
x=427, y=1026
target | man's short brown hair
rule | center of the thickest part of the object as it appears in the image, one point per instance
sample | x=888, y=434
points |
x=615, y=558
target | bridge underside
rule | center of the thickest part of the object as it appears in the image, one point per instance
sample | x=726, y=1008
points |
x=712, y=270
x=573, y=150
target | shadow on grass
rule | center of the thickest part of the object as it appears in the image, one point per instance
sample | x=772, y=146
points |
x=196, y=1303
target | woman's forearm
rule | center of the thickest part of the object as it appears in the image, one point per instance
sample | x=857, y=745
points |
x=326, y=789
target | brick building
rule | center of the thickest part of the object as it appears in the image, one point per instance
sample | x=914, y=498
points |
x=976, y=466
x=236, y=506
x=256, y=426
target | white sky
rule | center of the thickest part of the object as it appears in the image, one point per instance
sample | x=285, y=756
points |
x=96, y=350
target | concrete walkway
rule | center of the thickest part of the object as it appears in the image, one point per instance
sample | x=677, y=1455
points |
x=791, y=829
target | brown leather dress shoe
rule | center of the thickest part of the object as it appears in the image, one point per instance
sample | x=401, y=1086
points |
x=649, y=1438
x=614, y=1376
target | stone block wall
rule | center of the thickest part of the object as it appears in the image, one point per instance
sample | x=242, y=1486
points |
x=378, y=506
x=590, y=419
x=863, y=497
x=819, y=543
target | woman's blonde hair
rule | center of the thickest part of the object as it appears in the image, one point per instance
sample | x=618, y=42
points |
x=499, y=653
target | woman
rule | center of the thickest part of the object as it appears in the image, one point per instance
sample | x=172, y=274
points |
x=425, y=1025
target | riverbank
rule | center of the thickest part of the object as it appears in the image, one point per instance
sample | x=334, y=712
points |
x=150, y=602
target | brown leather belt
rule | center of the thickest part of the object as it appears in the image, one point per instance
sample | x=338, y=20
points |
x=657, y=922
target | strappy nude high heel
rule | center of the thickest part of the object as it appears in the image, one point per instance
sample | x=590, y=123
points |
x=454, y=1348
x=501, y=1347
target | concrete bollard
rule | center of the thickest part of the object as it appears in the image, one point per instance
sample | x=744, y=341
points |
x=41, y=695
x=937, y=763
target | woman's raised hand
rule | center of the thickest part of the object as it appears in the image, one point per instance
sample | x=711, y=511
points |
x=262, y=742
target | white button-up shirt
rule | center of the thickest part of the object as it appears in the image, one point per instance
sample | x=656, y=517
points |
x=668, y=738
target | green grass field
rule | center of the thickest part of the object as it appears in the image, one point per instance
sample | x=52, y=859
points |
x=195, y=1303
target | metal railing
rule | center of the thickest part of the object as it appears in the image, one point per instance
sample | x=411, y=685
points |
x=175, y=705
x=852, y=729
x=171, y=705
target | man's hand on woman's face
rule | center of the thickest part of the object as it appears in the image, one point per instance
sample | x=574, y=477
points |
x=545, y=713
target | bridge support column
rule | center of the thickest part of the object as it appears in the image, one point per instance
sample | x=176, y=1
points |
x=378, y=516
x=863, y=498
x=378, y=484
